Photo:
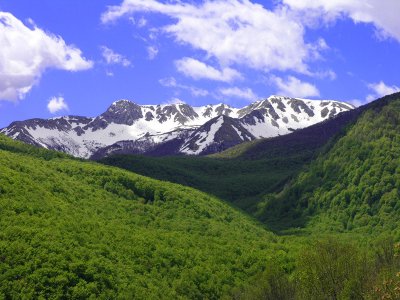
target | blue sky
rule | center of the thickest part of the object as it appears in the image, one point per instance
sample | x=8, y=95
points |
x=76, y=57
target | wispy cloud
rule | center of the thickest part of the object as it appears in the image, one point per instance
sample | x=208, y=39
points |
x=172, y=83
x=113, y=58
x=174, y=101
x=152, y=52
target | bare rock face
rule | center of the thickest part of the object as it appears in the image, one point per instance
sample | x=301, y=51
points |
x=121, y=112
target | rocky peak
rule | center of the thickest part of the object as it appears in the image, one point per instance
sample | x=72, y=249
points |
x=122, y=112
x=223, y=109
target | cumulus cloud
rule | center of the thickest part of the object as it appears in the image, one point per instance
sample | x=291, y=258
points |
x=172, y=83
x=198, y=70
x=56, y=104
x=232, y=31
x=294, y=87
x=26, y=52
x=241, y=93
x=380, y=89
x=383, y=14
x=113, y=58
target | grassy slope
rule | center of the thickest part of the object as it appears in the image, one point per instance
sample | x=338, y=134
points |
x=77, y=229
x=354, y=185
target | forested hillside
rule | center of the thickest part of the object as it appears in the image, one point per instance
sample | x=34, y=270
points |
x=73, y=229
x=354, y=185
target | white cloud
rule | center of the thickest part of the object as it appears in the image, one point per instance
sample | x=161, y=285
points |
x=152, y=52
x=198, y=92
x=236, y=92
x=380, y=89
x=294, y=87
x=168, y=82
x=113, y=58
x=172, y=83
x=142, y=22
x=57, y=104
x=232, y=31
x=175, y=101
x=199, y=70
x=27, y=52
x=383, y=14
x=109, y=73
x=329, y=74
x=355, y=102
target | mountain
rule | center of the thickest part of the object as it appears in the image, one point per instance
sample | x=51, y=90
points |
x=333, y=190
x=244, y=173
x=268, y=177
x=76, y=230
x=128, y=128
x=354, y=185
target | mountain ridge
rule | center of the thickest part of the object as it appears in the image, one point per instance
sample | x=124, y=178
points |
x=139, y=129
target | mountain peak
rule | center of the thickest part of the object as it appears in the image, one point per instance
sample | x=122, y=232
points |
x=122, y=102
x=122, y=112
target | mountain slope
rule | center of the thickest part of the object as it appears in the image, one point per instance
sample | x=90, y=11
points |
x=354, y=185
x=126, y=127
x=73, y=229
x=216, y=135
x=243, y=174
x=307, y=139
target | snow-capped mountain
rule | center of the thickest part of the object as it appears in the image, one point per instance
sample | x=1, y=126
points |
x=126, y=127
x=216, y=135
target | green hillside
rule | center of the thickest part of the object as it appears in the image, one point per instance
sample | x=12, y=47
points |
x=353, y=186
x=241, y=182
x=73, y=229
x=243, y=174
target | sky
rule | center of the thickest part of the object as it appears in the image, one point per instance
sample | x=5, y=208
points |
x=74, y=57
